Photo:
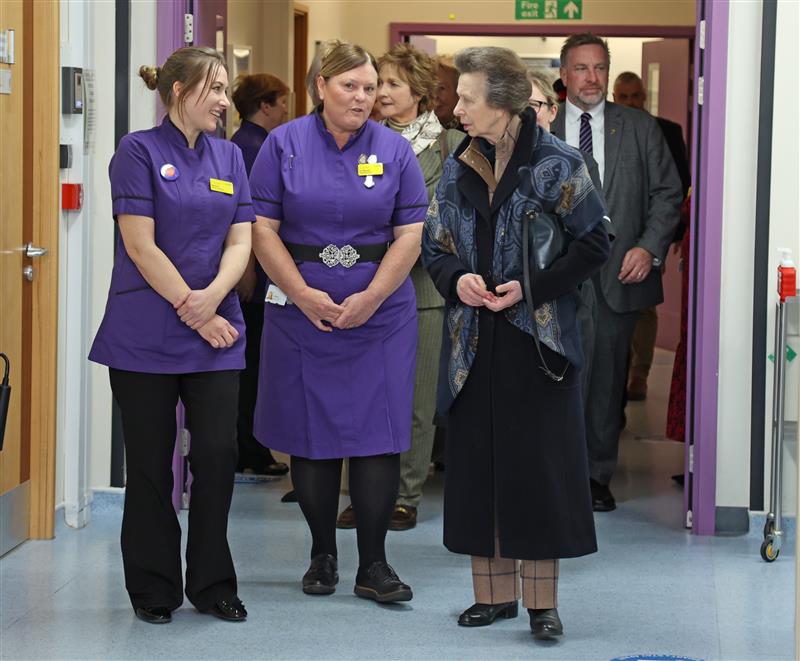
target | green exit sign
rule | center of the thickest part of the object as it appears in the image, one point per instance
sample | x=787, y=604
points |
x=549, y=10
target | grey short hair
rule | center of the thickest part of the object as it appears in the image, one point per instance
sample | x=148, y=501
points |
x=507, y=84
x=583, y=39
x=543, y=80
x=628, y=77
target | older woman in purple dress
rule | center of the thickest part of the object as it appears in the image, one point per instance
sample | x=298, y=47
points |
x=340, y=202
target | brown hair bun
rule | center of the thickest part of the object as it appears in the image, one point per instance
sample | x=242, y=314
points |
x=150, y=76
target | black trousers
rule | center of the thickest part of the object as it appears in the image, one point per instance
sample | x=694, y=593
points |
x=151, y=535
x=607, y=385
x=251, y=453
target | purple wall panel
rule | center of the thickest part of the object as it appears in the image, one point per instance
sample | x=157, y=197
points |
x=706, y=227
x=169, y=37
x=169, y=34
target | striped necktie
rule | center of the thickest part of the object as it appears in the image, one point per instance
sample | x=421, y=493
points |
x=585, y=139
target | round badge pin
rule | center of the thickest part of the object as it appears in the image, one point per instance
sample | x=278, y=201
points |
x=169, y=172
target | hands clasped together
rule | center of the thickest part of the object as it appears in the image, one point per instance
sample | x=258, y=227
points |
x=352, y=312
x=198, y=310
x=471, y=289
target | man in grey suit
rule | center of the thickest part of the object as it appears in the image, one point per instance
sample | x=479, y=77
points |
x=643, y=195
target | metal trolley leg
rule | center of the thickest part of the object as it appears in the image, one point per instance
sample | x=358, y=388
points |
x=773, y=534
x=787, y=288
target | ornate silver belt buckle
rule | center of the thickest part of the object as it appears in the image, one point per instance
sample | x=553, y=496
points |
x=347, y=256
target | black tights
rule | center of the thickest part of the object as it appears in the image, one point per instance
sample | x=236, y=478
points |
x=374, y=482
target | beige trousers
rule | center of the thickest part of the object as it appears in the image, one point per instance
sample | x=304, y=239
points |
x=497, y=581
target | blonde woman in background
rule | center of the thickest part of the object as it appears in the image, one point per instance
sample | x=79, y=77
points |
x=406, y=87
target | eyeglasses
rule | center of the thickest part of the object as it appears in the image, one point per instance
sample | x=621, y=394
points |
x=537, y=105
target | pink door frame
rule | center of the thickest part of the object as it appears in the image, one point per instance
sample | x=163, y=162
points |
x=169, y=37
x=399, y=31
x=707, y=148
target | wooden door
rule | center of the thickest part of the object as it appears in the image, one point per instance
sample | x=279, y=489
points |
x=28, y=284
x=15, y=456
x=300, y=60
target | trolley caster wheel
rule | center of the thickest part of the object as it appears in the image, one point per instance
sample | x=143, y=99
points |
x=768, y=552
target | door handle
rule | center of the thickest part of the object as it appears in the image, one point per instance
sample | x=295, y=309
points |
x=34, y=251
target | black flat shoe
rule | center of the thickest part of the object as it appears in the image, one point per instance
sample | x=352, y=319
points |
x=289, y=497
x=602, y=498
x=322, y=575
x=230, y=610
x=276, y=469
x=154, y=614
x=482, y=615
x=545, y=623
x=380, y=583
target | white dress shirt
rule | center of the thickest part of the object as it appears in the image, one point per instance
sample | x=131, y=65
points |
x=572, y=130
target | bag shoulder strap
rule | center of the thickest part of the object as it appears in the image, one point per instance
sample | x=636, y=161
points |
x=527, y=286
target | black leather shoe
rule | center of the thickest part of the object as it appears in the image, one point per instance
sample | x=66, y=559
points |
x=276, y=469
x=154, y=614
x=380, y=583
x=602, y=498
x=482, y=615
x=231, y=610
x=289, y=497
x=322, y=575
x=545, y=623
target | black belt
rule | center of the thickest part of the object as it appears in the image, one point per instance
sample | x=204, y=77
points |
x=332, y=255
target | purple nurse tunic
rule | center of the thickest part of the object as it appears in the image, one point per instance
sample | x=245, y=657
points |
x=249, y=139
x=154, y=173
x=348, y=392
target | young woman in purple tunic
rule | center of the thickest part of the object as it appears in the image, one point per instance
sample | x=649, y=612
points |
x=339, y=202
x=260, y=100
x=173, y=329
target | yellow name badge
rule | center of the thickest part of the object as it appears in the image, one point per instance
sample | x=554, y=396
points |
x=221, y=186
x=370, y=169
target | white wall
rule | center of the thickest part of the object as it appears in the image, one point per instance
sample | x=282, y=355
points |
x=785, y=221
x=736, y=318
x=143, y=102
x=142, y=115
x=626, y=52
x=84, y=35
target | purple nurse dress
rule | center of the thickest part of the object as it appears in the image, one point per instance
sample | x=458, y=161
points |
x=348, y=392
x=154, y=173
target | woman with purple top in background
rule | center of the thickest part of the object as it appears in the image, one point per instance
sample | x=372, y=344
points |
x=260, y=100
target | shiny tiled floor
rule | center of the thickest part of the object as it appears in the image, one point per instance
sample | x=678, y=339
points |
x=651, y=589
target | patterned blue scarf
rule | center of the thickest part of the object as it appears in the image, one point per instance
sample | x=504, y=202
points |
x=553, y=179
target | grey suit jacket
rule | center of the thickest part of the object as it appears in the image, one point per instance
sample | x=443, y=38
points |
x=642, y=192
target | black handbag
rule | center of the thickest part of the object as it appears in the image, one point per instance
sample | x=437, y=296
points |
x=5, y=397
x=549, y=242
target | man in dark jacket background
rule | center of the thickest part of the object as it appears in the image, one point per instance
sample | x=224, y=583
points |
x=629, y=91
x=643, y=195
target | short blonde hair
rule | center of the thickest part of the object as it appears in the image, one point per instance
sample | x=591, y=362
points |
x=543, y=80
x=416, y=68
x=341, y=56
x=313, y=70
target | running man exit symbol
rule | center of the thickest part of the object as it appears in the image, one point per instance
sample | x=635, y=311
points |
x=549, y=10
